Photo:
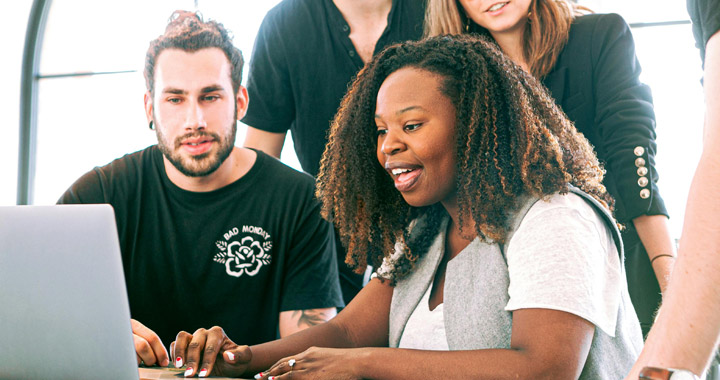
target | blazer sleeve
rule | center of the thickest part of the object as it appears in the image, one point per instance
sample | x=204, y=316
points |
x=625, y=118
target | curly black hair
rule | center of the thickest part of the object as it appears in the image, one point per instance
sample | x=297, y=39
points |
x=512, y=142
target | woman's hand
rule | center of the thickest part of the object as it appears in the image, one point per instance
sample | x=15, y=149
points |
x=317, y=363
x=209, y=352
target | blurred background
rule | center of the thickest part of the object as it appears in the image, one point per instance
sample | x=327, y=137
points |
x=85, y=97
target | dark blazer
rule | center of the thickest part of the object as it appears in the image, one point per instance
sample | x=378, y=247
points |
x=595, y=82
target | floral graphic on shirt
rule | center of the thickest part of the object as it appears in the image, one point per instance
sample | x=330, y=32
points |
x=244, y=251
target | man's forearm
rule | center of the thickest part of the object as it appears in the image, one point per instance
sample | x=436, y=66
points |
x=687, y=329
x=295, y=320
x=268, y=142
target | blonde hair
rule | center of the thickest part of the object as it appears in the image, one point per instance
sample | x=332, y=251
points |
x=545, y=36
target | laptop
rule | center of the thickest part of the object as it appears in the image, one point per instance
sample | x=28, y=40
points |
x=64, y=310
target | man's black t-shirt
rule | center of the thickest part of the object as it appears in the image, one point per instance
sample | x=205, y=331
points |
x=705, y=16
x=303, y=63
x=234, y=257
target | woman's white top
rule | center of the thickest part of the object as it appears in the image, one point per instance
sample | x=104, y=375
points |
x=425, y=330
x=561, y=257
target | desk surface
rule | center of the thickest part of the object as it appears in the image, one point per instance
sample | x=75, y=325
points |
x=165, y=373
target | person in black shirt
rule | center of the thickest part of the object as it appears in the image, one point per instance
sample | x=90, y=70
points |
x=211, y=234
x=705, y=16
x=305, y=56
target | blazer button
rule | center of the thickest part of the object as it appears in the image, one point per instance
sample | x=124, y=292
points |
x=642, y=171
x=642, y=181
x=639, y=162
x=639, y=151
x=644, y=193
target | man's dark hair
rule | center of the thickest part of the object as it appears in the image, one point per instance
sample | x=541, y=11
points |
x=187, y=31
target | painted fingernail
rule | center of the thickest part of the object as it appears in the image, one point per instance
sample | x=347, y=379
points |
x=272, y=377
x=230, y=355
x=203, y=372
x=188, y=371
x=258, y=376
x=178, y=362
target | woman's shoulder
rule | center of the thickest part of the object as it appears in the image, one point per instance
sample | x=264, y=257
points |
x=589, y=37
x=567, y=206
x=599, y=22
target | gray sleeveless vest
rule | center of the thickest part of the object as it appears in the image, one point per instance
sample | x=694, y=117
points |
x=476, y=292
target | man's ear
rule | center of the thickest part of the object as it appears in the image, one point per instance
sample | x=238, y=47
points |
x=242, y=102
x=148, y=106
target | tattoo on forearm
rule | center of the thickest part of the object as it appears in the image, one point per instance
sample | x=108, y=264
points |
x=310, y=317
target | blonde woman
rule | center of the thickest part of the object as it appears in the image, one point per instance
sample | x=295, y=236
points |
x=589, y=65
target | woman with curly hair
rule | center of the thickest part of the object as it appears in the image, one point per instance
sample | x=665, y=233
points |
x=453, y=171
x=588, y=63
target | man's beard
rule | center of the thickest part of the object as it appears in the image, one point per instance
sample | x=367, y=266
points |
x=200, y=165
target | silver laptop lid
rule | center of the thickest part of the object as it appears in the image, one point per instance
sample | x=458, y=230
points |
x=63, y=304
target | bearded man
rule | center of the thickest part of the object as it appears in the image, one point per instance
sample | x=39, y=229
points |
x=210, y=233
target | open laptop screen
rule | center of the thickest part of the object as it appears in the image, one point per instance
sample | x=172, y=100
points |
x=63, y=303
